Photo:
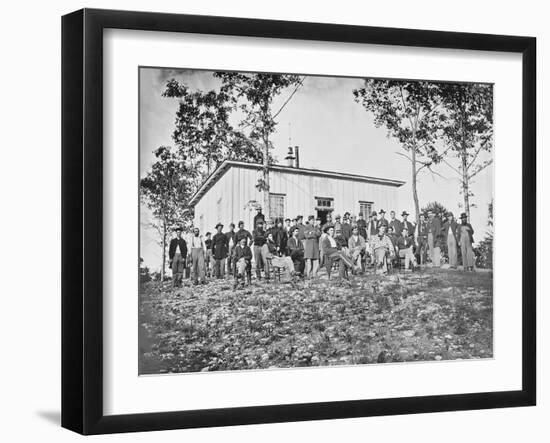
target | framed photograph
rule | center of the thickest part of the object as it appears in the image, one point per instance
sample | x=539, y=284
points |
x=270, y=221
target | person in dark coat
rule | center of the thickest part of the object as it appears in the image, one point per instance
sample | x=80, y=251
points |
x=219, y=251
x=311, y=246
x=259, y=216
x=434, y=239
x=382, y=221
x=395, y=224
x=295, y=250
x=406, y=223
x=372, y=225
x=280, y=238
x=422, y=238
x=259, y=237
x=450, y=236
x=208, y=262
x=362, y=226
x=177, y=253
x=242, y=262
x=333, y=253
x=301, y=227
x=405, y=245
x=346, y=227
x=243, y=233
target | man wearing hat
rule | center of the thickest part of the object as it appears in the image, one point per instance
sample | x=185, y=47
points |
x=220, y=246
x=422, y=238
x=259, y=237
x=177, y=252
x=407, y=224
x=337, y=225
x=466, y=240
x=450, y=234
x=434, y=238
x=197, y=253
x=362, y=225
x=259, y=216
x=372, y=225
x=382, y=221
x=346, y=227
x=231, y=243
x=395, y=224
x=301, y=227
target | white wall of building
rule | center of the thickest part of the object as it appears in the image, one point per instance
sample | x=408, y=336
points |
x=226, y=200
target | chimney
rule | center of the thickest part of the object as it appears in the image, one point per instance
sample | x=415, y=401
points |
x=289, y=157
x=297, y=155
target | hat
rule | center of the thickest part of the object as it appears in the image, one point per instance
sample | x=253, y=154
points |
x=298, y=217
x=311, y=217
x=287, y=219
x=404, y=213
x=381, y=211
x=373, y=214
x=347, y=214
x=463, y=215
x=179, y=228
x=219, y=224
x=241, y=223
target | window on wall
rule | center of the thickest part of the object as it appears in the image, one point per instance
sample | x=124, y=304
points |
x=324, y=203
x=276, y=207
x=366, y=208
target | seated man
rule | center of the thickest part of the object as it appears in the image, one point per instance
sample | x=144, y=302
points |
x=405, y=245
x=242, y=262
x=272, y=256
x=382, y=248
x=357, y=246
x=332, y=253
x=295, y=250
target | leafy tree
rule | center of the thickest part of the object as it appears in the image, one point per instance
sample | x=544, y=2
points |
x=468, y=131
x=436, y=207
x=412, y=114
x=203, y=134
x=165, y=191
x=253, y=95
x=484, y=250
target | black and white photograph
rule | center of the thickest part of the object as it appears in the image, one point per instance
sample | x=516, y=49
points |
x=290, y=220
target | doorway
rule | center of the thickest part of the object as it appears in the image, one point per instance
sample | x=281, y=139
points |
x=322, y=214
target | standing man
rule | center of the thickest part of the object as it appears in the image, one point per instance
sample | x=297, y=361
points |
x=407, y=224
x=280, y=238
x=362, y=226
x=395, y=224
x=311, y=246
x=259, y=238
x=301, y=227
x=372, y=226
x=450, y=233
x=208, y=257
x=466, y=240
x=243, y=233
x=288, y=227
x=346, y=227
x=259, y=216
x=382, y=221
x=219, y=251
x=197, y=253
x=337, y=226
x=231, y=243
x=434, y=234
x=422, y=238
x=177, y=253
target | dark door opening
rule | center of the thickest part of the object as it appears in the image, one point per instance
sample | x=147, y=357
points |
x=322, y=214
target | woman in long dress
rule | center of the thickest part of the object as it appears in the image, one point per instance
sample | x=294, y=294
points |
x=466, y=240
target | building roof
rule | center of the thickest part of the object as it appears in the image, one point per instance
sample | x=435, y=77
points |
x=227, y=164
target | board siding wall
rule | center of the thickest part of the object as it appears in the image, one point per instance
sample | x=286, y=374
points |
x=238, y=186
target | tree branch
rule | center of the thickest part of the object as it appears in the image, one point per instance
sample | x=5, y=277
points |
x=300, y=83
x=404, y=155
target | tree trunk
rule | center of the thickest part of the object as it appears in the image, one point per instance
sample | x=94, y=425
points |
x=413, y=184
x=163, y=268
x=464, y=158
x=266, y=209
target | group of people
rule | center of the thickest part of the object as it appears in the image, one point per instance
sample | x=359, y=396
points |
x=295, y=246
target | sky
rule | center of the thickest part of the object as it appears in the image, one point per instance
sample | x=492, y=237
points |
x=333, y=131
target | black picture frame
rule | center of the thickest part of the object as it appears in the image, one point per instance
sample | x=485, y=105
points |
x=82, y=218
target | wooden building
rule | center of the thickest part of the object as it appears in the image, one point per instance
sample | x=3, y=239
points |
x=229, y=193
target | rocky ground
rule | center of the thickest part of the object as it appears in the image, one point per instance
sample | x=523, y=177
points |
x=428, y=315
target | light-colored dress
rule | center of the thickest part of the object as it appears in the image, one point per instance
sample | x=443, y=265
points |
x=468, y=258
